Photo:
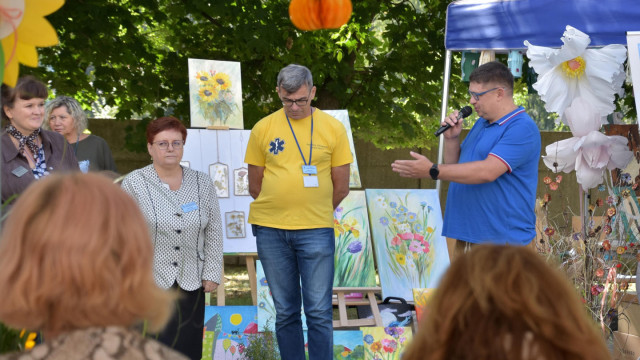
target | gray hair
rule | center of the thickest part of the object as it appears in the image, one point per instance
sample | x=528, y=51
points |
x=293, y=76
x=73, y=108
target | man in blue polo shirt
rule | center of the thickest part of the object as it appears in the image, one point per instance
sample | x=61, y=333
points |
x=493, y=172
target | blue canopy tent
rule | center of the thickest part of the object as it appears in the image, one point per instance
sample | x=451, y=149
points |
x=506, y=24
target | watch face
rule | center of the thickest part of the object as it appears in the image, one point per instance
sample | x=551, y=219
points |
x=434, y=172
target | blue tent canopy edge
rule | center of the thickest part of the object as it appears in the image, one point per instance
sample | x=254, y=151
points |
x=505, y=24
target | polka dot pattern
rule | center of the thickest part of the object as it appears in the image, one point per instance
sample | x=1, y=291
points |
x=185, y=226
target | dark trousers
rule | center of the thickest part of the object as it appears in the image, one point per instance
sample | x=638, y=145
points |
x=184, y=332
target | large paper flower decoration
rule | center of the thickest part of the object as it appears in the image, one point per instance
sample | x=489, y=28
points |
x=596, y=75
x=22, y=28
x=589, y=152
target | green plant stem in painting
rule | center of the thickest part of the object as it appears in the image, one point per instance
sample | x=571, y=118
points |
x=351, y=268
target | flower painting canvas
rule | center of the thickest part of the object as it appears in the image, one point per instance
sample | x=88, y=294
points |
x=354, y=254
x=421, y=298
x=226, y=329
x=406, y=229
x=354, y=174
x=215, y=93
x=385, y=342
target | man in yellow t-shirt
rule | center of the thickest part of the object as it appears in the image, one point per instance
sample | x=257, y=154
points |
x=298, y=160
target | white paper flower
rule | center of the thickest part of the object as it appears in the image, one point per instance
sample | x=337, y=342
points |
x=573, y=70
x=589, y=152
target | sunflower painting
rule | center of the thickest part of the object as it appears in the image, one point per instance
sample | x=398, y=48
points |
x=215, y=93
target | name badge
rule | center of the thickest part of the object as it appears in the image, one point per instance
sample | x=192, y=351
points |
x=188, y=207
x=19, y=171
x=309, y=169
x=310, y=181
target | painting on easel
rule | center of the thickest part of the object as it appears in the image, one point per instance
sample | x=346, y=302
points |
x=406, y=229
x=354, y=253
x=215, y=93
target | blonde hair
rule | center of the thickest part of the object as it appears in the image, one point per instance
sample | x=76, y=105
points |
x=76, y=253
x=503, y=302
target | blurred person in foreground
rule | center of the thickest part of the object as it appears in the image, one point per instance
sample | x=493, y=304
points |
x=65, y=116
x=29, y=152
x=183, y=216
x=84, y=285
x=505, y=303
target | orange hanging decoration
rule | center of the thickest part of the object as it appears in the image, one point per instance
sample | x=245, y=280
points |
x=319, y=14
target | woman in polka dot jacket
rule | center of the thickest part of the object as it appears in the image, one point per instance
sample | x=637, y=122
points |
x=183, y=216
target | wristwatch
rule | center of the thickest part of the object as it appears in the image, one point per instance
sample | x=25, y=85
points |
x=434, y=172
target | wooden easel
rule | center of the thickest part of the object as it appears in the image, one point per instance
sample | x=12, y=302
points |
x=251, y=270
x=368, y=299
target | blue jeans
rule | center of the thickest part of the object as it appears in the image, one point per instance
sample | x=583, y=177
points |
x=289, y=258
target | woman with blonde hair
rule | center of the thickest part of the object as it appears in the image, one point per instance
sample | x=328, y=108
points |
x=505, y=302
x=65, y=116
x=85, y=283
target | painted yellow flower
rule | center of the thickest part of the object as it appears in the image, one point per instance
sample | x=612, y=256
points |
x=208, y=93
x=429, y=229
x=376, y=346
x=401, y=259
x=203, y=77
x=221, y=80
x=22, y=28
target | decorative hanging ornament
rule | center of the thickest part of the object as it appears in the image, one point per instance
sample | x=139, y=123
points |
x=487, y=56
x=574, y=71
x=23, y=27
x=470, y=60
x=515, y=61
x=319, y=14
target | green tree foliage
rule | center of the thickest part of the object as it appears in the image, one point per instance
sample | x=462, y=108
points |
x=385, y=66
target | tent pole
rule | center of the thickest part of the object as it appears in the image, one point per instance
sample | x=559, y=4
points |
x=445, y=106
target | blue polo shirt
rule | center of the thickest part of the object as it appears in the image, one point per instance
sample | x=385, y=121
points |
x=501, y=211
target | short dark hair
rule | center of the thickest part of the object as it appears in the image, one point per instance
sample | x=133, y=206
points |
x=27, y=88
x=495, y=72
x=165, y=123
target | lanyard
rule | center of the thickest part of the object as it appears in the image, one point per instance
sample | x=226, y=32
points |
x=296, y=139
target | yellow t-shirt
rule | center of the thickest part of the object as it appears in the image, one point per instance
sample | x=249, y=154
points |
x=284, y=202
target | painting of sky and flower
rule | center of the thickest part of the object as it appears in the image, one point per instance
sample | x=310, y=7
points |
x=406, y=228
x=226, y=331
x=215, y=93
x=354, y=255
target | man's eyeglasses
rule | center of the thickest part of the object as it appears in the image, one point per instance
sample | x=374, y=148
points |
x=164, y=145
x=476, y=95
x=299, y=102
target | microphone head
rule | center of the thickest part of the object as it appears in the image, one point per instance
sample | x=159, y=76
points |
x=466, y=111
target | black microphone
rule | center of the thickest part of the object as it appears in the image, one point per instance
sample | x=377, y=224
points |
x=463, y=113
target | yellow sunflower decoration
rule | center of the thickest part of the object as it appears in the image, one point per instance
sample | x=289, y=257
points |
x=222, y=80
x=22, y=29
